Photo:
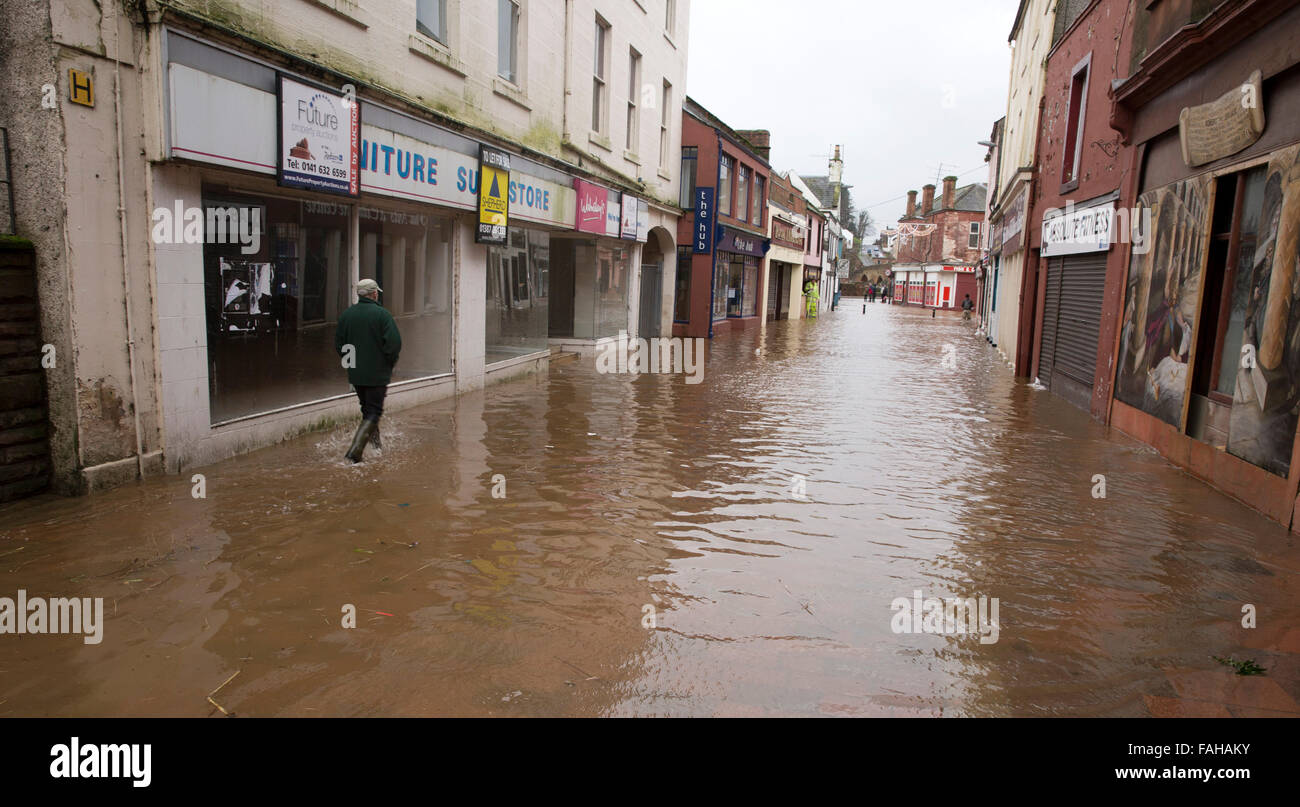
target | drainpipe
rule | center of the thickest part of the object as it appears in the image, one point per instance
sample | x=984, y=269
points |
x=568, y=41
x=126, y=255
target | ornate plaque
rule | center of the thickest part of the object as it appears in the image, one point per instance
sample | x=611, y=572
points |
x=1225, y=126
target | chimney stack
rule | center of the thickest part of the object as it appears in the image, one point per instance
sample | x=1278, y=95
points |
x=911, y=204
x=927, y=199
x=949, y=192
x=760, y=140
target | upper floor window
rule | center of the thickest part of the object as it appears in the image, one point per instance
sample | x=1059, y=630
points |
x=599, y=88
x=508, y=40
x=1072, y=143
x=757, y=213
x=974, y=240
x=431, y=19
x=670, y=17
x=742, y=193
x=665, y=122
x=633, y=91
x=724, y=185
x=686, y=197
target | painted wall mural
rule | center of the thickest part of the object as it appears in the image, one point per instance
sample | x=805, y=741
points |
x=1160, y=302
x=1266, y=399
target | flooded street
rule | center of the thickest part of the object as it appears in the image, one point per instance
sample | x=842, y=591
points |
x=763, y=521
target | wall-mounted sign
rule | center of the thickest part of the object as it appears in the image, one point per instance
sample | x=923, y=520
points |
x=703, y=239
x=592, y=200
x=613, y=213
x=1086, y=229
x=1224, y=126
x=81, y=87
x=630, y=208
x=642, y=220
x=1013, y=222
x=320, y=139
x=493, y=196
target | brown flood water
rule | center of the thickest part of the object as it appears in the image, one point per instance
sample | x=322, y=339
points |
x=622, y=493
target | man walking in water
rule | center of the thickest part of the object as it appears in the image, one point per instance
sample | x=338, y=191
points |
x=966, y=306
x=368, y=340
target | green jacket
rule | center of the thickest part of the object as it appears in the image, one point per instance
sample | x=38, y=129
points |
x=371, y=331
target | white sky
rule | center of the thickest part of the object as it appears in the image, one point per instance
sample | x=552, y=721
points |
x=901, y=86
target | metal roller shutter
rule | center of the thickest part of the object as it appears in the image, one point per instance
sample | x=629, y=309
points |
x=1082, y=286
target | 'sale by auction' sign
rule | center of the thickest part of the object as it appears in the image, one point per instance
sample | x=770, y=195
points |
x=493, y=196
x=320, y=138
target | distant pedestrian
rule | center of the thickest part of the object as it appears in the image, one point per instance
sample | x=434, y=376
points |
x=967, y=306
x=369, y=342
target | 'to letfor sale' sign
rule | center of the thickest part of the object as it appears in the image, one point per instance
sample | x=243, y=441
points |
x=320, y=136
x=493, y=196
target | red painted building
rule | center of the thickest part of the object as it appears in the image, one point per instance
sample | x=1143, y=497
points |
x=723, y=234
x=935, y=266
x=1082, y=167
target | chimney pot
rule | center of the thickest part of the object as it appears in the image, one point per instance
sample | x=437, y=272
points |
x=911, y=204
x=949, y=192
x=927, y=199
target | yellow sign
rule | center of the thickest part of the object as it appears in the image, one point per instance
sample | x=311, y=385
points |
x=81, y=88
x=494, y=196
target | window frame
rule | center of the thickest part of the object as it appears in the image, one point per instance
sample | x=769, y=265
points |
x=724, y=184
x=600, y=77
x=1075, y=118
x=973, y=239
x=632, y=140
x=441, y=11
x=665, y=125
x=516, y=16
x=686, y=198
x=757, y=203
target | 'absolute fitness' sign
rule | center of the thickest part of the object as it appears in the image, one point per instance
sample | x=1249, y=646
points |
x=493, y=196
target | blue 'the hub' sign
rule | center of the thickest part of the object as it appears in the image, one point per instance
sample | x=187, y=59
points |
x=703, y=220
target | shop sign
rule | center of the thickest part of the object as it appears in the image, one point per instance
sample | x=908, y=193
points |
x=703, y=240
x=493, y=196
x=642, y=220
x=1224, y=126
x=742, y=243
x=1085, y=229
x=630, y=208
x=320, y=135
x=613, y=213
x=591, y=207
x=1013, y=222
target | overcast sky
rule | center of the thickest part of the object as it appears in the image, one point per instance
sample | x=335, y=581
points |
x=901, y=86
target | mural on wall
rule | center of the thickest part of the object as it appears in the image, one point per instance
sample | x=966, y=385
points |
x=1267, y=394
x=1160, y=302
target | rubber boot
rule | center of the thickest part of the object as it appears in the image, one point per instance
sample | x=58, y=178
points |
x=374, y=438
x=360, y=439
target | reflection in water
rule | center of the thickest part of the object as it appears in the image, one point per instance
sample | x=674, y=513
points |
x=769, y=516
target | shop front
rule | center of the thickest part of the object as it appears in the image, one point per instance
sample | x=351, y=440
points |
x=736, y=262
x=1207, y=367
x=297, y=191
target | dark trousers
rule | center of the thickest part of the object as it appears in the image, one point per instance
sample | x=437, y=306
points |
x=372, y=401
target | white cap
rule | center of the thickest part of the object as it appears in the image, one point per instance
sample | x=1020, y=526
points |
x=366, y=286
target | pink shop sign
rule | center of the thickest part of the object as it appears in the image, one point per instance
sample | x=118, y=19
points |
x=591, y=207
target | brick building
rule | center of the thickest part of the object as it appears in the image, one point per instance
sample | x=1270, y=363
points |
x=935, y=264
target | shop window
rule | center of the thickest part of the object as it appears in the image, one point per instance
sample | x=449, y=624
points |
x=409, y=255
x=508, y=40
x=721, y=279
x=517, y=316
x=1072, y=143
x=591, y=283
x=682, y=292
x=431, y=19
x=270, y=314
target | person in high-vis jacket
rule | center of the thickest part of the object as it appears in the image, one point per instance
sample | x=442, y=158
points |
x=368, y=341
